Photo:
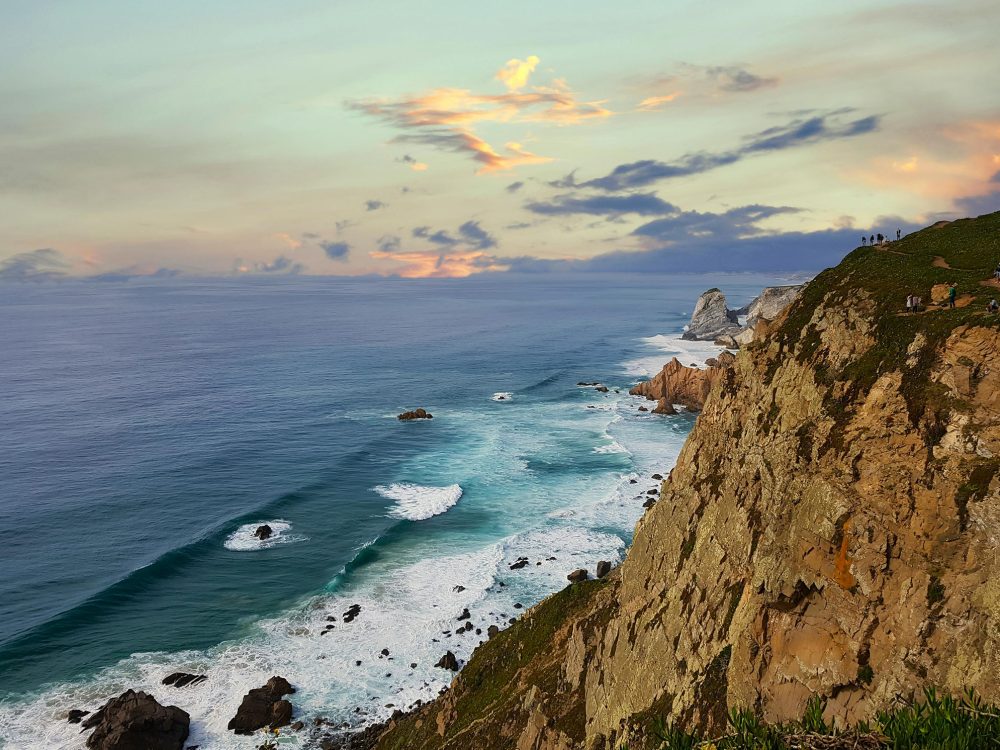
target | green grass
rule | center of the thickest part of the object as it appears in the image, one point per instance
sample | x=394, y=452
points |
x=932, y=722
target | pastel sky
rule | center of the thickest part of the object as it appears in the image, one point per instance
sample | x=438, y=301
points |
x=449, y=138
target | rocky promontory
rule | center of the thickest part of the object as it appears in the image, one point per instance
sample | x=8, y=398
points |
x=678, y=384
x=827, y=537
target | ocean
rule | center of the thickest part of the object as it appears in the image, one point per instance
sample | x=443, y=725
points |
x=147, y=428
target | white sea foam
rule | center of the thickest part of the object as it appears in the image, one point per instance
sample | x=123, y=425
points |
x=243, y=539
x=415, y=502
x=502, y=396
x=689, y=353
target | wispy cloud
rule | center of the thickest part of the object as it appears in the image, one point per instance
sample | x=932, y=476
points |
x=280, y=265
x=642, y=204
x=416, y=166
x=448, y=264
x=44, y=264
x=798, y=132
x=514, y=186
x=446, y=118
x=652, y=103
x=389, y=243
x=736, y=79
x=470, y=235
x=696, y=225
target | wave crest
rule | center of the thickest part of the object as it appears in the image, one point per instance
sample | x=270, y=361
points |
x=415, y=502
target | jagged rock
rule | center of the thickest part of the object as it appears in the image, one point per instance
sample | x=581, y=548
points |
x=711, y=318
x=75, y=715
x=603, y=568
x=677, y=384
x=264, y=707
x=415, y=414
x=520, y=563
x=578, y=575
x=183, y=679
x=135, y=721
x=352, y=612
x=448, y=661
x=263, y=532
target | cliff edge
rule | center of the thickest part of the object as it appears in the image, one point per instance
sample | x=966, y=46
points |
x=830, y=529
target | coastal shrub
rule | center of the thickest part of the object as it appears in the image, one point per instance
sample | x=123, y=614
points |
x=933, y=722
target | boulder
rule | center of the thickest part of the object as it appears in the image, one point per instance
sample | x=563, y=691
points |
x=601, y=389
x=135, y=721
x=263, y=532
x=264, y=707
x=415, y=414
x=578, y=575
x=603, y=568
x=492, y=631
x=711, y=318
x=643, y=408
x=448, y=661
x=183, y=679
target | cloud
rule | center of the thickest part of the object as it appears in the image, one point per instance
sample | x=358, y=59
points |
x=977, y=205
x=735, y=79
x=291, y=242
x=514, y=75
x=447, y=264
x=446, y=118
x=798, y=132
x=653, y=103
x=643, y=204
x=469, y=235
x=375, y=205
x=515, y=186
x=416, y=166
x=995, y=178
x=695, y=225
x=44, y=264
x=336, y=250
x=344, y=224
x=280, y=265
x=388, y=243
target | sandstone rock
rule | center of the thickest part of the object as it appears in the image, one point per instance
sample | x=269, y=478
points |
x=415, y=414
x=663, y=406
x=578, y=575
x=264, y=707
x=135, y=721
x=678, y=384
x=711, y=318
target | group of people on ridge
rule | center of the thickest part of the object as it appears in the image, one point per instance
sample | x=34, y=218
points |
x=880, y=238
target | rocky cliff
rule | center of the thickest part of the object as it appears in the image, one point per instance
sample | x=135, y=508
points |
x=830, y=528
x=679, y=384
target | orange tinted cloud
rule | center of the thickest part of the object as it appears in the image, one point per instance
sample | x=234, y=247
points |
x=446, y=118
x=959, y=160
x=653, y=103
x=450, y=265
x=514, y=75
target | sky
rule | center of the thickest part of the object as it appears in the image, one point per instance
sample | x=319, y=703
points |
x=454, y=138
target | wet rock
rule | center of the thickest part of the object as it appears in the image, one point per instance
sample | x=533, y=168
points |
x=521, y=562
x=464, y=616
x=263, y=532
x=601, y=389
x=264, y=707
x=75, y=715
x=135, y=721
x=352, y=612
x=578, y=575
x=649, y=503
x=415, y=414
x=183, y=679
x=448, y=661
x=603, y=568
x=298, y=726
x=643, y=408
x=633, y=481
x=657, y=476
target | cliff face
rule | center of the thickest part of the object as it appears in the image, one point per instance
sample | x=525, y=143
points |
x=830, y=528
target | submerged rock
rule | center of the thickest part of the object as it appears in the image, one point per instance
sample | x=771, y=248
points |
x=264, y=707
x=135, y=721
x=183, y=679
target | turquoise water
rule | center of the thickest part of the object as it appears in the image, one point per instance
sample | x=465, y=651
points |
x=149, y=427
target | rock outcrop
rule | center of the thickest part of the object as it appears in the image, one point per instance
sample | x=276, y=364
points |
x=135, y=721
x=830, y=529
x=264, y=707
x=407, y=416
x=711, y=318
x=679, y=384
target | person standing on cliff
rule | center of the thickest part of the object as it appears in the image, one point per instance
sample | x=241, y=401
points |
x=899, y=232
x=909, y=303
x=864, y=240
x=871, y=240
x=952, y=293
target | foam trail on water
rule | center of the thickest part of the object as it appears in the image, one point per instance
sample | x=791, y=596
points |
x=689, y=353
x=415, y=502
x=502, y=396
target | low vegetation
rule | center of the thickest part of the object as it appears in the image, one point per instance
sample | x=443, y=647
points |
x=933, y=722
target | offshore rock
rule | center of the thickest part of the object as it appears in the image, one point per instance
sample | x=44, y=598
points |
x=264, y=707
x=711, y=318
x=135, y=721
x=415, y=414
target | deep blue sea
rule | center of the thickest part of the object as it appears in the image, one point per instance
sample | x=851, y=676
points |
x=146, y=428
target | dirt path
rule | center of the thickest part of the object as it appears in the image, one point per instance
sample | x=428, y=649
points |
x=940, y=262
